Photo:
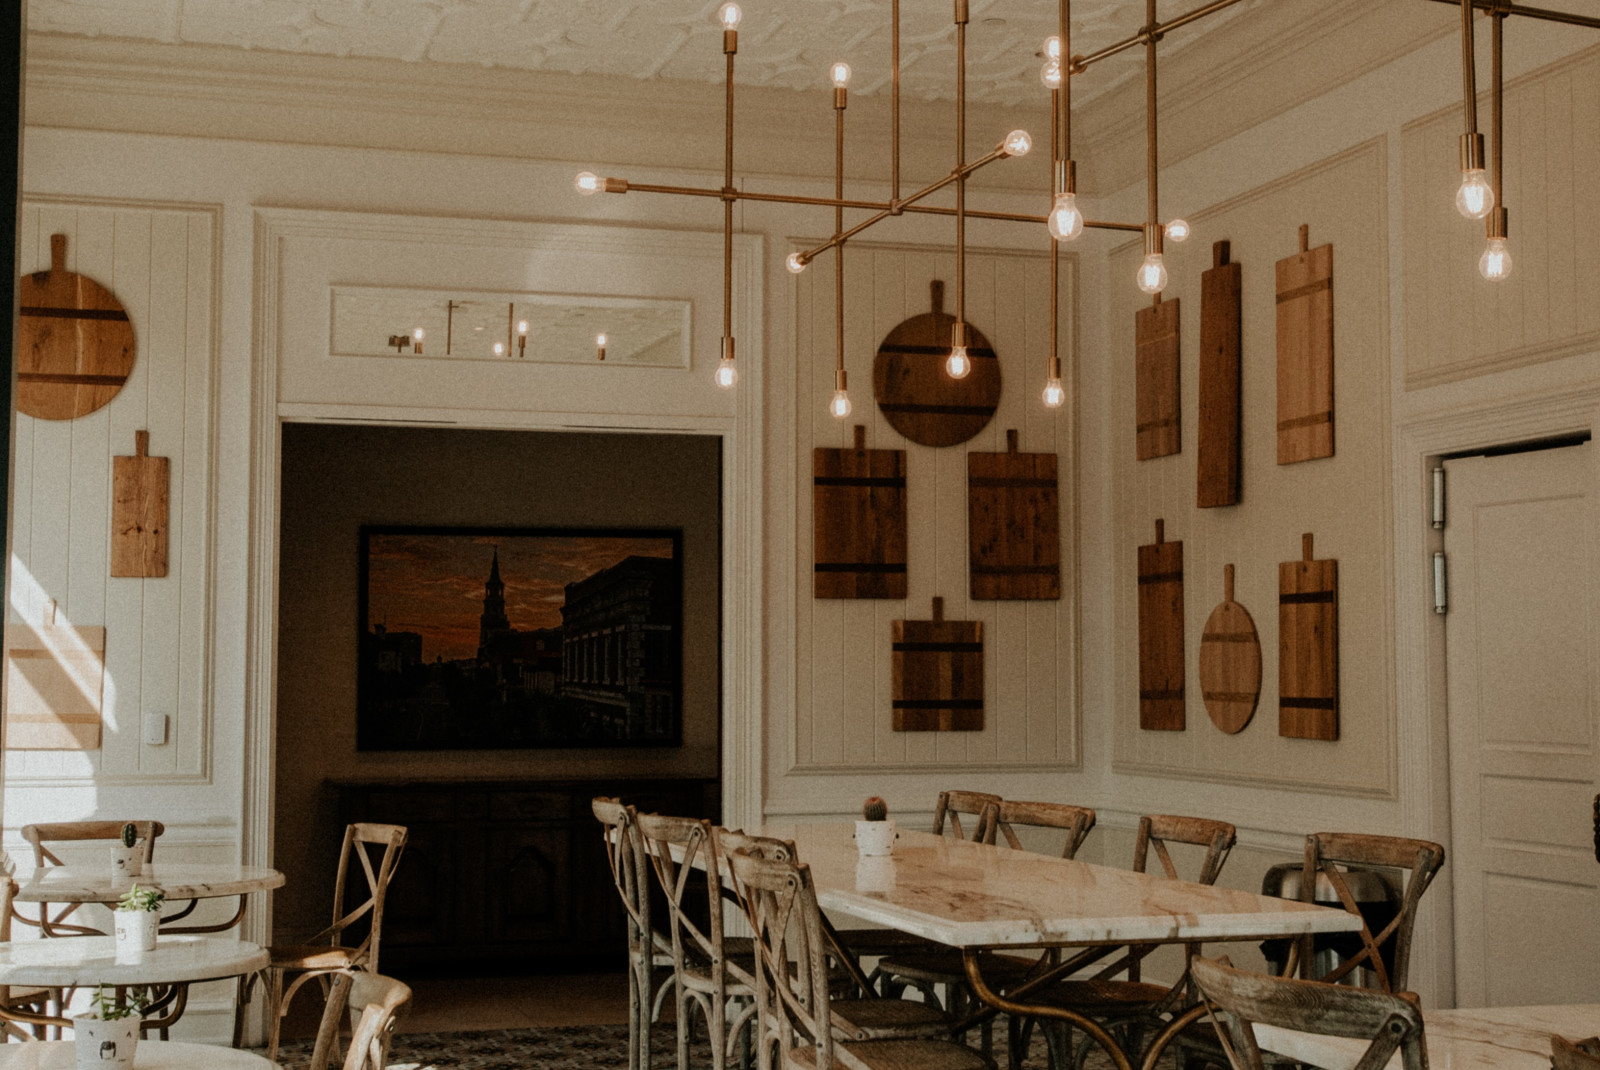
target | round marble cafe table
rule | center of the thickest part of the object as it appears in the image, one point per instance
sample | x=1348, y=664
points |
x=151, y=1055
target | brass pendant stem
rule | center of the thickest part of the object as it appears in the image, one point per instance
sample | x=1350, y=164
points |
x=1497, y=116
x=1150, y=110
x=961, y=160
x=728, y=199
x=1469, y=69
x=1061, y=134
x=894, y=102
x=838, y=229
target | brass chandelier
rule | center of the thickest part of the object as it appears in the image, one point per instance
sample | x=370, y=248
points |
x=1478, y=197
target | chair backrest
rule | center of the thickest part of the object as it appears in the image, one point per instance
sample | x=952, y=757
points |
x=791, y=982
x=1417, y=861
x=76, y=831
x=1158, y=830
x=1006, y=815
x=953, y=804
x=728, y=841
x=1238, y=1000
x=684, y=856
x=1567, y=1055
x=364, y=842
x=372, y=1003
x=629, y=869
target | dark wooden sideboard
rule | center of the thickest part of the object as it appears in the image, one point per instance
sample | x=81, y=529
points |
x=507, y=876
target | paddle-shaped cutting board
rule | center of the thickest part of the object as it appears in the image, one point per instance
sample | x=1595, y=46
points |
x=1013, y=524
x=938, y=674
x=1308, y=647
x=914, y=392
x=139, y=490
x=75, y=342
x=1161, y=634
x=1305, y=353
x=1217, y=474
x=858, y=505
x=1230, y=662
x=1155, y=332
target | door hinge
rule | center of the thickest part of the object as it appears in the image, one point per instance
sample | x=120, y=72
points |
x=1441, y=594
x=1438, y=498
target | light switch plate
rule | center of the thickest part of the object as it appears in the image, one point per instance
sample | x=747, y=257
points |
x=155, y=729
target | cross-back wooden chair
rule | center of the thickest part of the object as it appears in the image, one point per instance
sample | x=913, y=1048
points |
x=1006, y=816
x=1569, y=1055
x=372, y=1003
x=42, y=837
x=709, y=970
x=327, y=952
x=1238, y=1000
x=649, y=949
x=953, y=805
x=23, y=1006
x=793, y=998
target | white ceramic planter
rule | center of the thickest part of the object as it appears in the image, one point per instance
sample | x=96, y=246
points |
x=103, y=1045
x=126, y=863
x=875, y=838
x=135, y=933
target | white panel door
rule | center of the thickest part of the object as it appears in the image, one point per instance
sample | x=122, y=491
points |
x=1523, y=635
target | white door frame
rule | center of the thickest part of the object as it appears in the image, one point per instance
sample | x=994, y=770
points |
x=1419, y=632
x=742, y=527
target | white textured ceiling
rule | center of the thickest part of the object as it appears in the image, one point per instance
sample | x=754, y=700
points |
x=782, y=43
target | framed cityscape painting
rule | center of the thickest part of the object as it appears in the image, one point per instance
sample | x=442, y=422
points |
x=497, y=638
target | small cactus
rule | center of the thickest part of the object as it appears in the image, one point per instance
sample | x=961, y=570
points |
x=130, y=834
x=875, y=809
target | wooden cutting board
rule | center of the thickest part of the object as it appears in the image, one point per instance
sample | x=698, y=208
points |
x=1158, y=428
x=915, y=394
x=1013, y=524
x=1230, y=662
x=938, y=674
x=858, y=505
x=1308, y=647
x=139, y=489
x=1305, y=353
x=74, y=341
x=1161, y=634
x=54, y=685
x=1220, y=443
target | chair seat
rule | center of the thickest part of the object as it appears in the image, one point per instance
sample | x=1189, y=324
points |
x=886, y=1019
x=892, y=1055
x=946, y=966
x=1097, y=998
x=885, y=941
x=312, y=957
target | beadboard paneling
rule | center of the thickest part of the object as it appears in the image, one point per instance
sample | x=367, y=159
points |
x=1460, y=325
x=160, y=264
x=843, y=684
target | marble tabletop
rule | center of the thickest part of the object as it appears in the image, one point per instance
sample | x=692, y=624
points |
x=1493, y=1038
x=974, y=895
x=91, y=960
x=93, y=884
x=150, y=1055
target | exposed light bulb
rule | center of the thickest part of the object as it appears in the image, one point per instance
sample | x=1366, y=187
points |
x=1054, y=394
x=600, y=340
x=499, y=349
x=795, y=263
x=1178, y=230
x=1495, y=263
x=1017, y=143
x=1050, y=74
x=1052, y=47
x=840, y=75
x=1152, y=276
x=958, y=364
x=417, y=334
x=1474, y=197
x=587, y=183
x=1066, y=222
x=839, y=407
x=727, y=374
x=729, y=15
x=522, y=326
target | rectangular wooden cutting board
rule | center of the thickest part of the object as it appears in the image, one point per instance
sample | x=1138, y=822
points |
x=1161, y=634
x=938, y=674
x=1156, y=380
x=139, y=511
x=1308, y=647
x=1305, y=353
x=1013, y=524
x=858, y=501
x=1220, y=441
x=54, y=686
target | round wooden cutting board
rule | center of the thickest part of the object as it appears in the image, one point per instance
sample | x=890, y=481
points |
x=75, y=342
x=915, y=394
x=1230, y=662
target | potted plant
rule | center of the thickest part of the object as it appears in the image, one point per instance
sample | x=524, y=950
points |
x=138, y=915
x=875, y=834
x=127, y=857
x=108, y=1035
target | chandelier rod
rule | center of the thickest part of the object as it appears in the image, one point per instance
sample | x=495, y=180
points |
x=961, y=162
x=1506, y=7
x=894, y=104
x=1155, y=29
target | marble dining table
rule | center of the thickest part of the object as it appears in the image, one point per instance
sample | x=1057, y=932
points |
x=978, y=897
x=1479, y=1038
x=182, y=882
x=149, y=1055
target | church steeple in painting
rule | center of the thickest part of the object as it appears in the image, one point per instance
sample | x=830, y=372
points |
x=493, y=621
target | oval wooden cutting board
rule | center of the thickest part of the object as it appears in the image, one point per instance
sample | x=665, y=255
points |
x=75, y=342
x=917, y=396
x=1230, y=662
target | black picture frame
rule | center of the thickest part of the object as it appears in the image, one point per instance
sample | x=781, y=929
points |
x=574, y=639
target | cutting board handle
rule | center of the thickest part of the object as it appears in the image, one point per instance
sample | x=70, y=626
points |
x=861, y=437
x=141, y=443
x=1220, y=251
x=1305, y=546
x=58, y=252
x=1305, y=237
x=1227, y=583
x=1161, y=532
x=936, y=296
x=1011, y=440
x=938, y=610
